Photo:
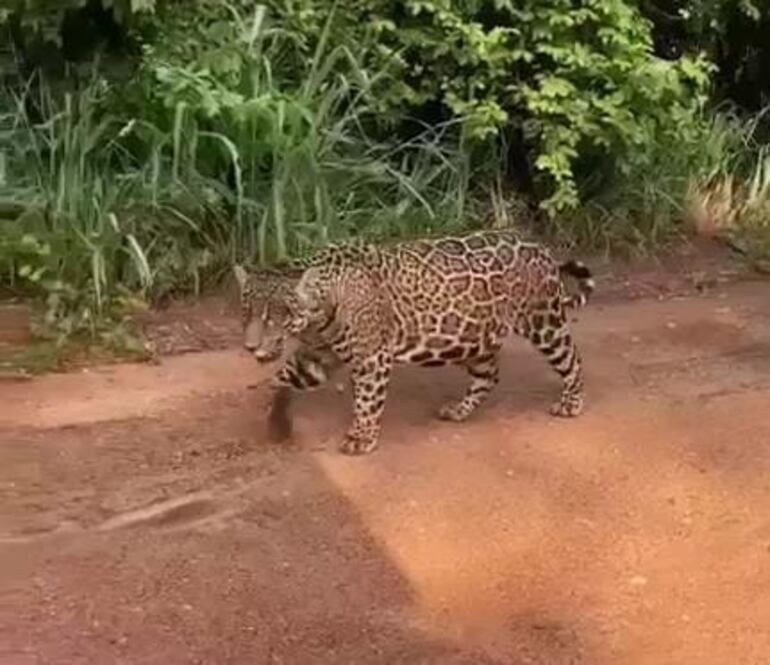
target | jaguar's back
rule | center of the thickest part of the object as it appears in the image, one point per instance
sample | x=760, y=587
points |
x=443, y=300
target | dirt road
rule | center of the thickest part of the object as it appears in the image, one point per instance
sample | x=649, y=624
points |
x=144, y=519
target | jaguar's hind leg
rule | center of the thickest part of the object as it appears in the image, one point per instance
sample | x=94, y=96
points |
x=550, y=334
x=485, y=374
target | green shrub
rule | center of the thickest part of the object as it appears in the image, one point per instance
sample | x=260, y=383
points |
x=294, y=139
x=134, y=204
x=255, y=132
x=573, y=80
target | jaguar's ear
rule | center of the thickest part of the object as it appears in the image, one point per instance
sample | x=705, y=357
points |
x=241, y=276
x=305, y=292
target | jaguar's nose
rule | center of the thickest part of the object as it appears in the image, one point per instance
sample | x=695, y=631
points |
x=263, y=356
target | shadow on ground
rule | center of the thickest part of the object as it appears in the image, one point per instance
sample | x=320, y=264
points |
x=173, y=540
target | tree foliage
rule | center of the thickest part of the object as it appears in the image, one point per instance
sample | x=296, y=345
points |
x=732, y=34
x=559, y=80
x=564, y=79
x=251, y=130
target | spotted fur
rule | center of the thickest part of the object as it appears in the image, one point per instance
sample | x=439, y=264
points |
x=427, y=302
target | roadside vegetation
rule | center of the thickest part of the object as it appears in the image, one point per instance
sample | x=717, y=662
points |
x=145, y=145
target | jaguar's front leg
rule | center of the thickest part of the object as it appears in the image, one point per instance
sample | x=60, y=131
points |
x=370, y=379
x=279, y=421
x=303, y=370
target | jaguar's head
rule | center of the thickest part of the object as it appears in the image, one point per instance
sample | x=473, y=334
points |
x=265, y=297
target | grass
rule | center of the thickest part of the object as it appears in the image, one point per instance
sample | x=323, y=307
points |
x=44, y=356
x=71, y=240
x=732, y=202
x=109, y=201
x=750, y=232
x=706, y=180
x=116, y=210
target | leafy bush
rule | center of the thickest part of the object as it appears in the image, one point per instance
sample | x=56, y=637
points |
x=290, y=129
x=253, y=132
x=134, y=205
x=566, y=81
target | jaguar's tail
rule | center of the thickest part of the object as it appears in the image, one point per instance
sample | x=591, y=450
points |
x=585, y=281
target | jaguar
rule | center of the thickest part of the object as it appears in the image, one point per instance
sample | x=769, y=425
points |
x=429, y=302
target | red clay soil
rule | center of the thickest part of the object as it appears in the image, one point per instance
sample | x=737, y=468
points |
x=145, y=519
